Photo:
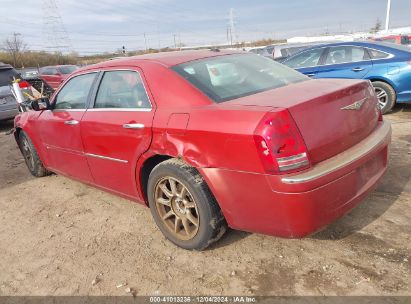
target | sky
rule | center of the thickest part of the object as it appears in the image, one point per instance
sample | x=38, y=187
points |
x=106, y=25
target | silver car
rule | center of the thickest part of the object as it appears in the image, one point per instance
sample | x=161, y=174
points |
x=280, y=52
x=8, y=104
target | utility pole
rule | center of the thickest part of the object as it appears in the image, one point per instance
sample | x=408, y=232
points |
x=145, y=41
x=175, y=43
x=387, y=19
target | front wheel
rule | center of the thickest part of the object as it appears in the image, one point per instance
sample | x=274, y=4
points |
x=31, y=157
x=183, y=207
x=386, y=96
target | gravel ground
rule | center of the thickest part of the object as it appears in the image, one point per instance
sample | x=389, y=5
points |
x=59, y=237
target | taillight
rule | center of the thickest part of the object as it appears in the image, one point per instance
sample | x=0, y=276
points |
x=24, y=84
x=280, y=144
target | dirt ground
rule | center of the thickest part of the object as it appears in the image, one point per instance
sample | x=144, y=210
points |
x=57, y=236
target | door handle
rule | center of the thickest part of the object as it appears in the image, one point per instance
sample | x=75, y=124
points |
x=357, y=69
x=310, y=75
x=71, y=122
x=133, y=126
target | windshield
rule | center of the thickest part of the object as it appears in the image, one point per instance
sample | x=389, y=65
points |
x=228, y=77
x=68, y=69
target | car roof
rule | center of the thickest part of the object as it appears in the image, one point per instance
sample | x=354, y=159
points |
x=58, y=66
x=383, y=46
x=167, y=59
x=5, y=66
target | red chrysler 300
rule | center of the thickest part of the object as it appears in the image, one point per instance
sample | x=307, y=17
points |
x=213, y=139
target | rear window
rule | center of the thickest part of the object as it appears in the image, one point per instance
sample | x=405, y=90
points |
x=296, y=49
x=68, y=69
x=270, y=49
x=228, y=77
x=7, y=75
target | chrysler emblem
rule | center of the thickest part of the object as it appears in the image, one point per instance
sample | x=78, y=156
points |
x=355, y=106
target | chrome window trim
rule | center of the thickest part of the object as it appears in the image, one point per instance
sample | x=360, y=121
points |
x=372, y=142
x=68, y=110
x=119, y=109
x=107, y=158
x=364, y=47
x=104, y=70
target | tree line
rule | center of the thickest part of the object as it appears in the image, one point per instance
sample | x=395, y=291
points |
x=15, y=52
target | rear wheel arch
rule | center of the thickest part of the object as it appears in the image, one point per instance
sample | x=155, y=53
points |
x=145, y=170
x=151, y=162
x=211, y=223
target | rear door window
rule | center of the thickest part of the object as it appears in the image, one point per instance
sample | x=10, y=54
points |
x=346, y=54
x=122, y=89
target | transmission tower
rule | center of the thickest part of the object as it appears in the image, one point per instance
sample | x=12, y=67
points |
x=231, y=27
x=55, y=34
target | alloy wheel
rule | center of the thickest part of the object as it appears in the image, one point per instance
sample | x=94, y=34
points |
x=382, y=97
x=177, y=208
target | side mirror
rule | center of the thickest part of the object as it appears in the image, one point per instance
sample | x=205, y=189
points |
x=41, y=104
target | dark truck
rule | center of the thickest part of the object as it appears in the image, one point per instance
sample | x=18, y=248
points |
x=8, y=104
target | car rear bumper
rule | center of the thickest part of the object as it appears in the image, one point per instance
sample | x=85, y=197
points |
x=8, y=114
x=302, y=203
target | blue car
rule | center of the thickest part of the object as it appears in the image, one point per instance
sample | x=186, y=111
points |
x=386, y=65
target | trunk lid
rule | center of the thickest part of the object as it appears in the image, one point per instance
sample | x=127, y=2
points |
x=325, y=112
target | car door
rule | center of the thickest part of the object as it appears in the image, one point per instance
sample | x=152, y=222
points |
x=345, y=61
x=60, y=130
x=116, y=130
x=306, y=62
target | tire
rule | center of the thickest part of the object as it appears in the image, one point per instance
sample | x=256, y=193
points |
x=386, y=96
x=31, y=157
x=184, y=208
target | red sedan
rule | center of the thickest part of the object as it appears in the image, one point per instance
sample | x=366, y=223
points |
x=213, y=139
x=55, y=75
